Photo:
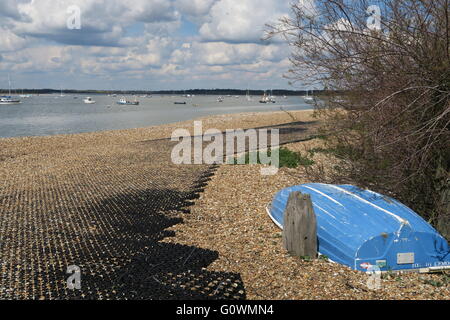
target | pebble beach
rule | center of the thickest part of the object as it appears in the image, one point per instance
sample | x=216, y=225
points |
x=230, y=217
x=141, y=227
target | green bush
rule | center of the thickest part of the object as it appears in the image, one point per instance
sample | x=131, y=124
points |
x=288, y=158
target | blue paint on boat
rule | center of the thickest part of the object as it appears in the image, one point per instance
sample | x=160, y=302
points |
x=360, y=228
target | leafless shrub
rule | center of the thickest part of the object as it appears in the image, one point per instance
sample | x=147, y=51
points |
x=390, y=113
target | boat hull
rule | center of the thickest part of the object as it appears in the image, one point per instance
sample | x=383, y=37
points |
x=128, y=103
x=10, y=103
x=360, y=228
x=7, y=100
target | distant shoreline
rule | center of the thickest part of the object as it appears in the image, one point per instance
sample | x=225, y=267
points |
x=277, y=92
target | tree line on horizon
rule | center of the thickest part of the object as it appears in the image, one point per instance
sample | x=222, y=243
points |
x=278, y=92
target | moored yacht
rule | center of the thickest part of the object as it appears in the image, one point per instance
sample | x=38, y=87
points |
x=9, y=99
x=124, y=101
x=249, y=98
x=308, y=98
x=267, y=99
x=88, y=100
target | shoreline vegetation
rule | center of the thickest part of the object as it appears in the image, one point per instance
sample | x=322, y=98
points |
x=229, y=216
x=394, y=136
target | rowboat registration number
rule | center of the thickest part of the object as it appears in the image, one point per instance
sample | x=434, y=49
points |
x=405, y=258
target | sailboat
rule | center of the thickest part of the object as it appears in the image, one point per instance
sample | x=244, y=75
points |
x=271, y=97
x=25, y=95
x=308, y=98
x=266, y=99
x=249, y=98
x=9, y=99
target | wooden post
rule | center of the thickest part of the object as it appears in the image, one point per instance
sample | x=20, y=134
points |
x=300, y=226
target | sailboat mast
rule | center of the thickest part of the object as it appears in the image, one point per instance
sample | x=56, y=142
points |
x=9, y=83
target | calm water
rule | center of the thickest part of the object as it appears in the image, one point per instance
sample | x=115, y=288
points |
x=52, y=114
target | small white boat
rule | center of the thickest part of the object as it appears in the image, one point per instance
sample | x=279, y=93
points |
x=308, y=98
x=249, y=98
x=266, y=99
x=272, y=98
x=9, y=99
x=88, y=100
x=124, y=101
x=25, y=95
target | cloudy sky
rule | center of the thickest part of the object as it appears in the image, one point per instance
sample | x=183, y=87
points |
x=142, y=44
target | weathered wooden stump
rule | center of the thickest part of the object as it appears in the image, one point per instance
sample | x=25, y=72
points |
x=300, y=226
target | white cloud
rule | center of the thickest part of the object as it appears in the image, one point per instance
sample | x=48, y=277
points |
x=10, y=9
x=242, y=21
x=195, y=8
x=103, y=22
x=9, y=41
x=140, y=39
x=221, y=53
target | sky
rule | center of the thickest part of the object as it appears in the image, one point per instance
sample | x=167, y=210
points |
x=142, y=44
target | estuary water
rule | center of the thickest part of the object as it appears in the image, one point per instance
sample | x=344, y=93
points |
x=54, y=114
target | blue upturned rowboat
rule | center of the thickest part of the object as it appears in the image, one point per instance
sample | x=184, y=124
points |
x=360, y=228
